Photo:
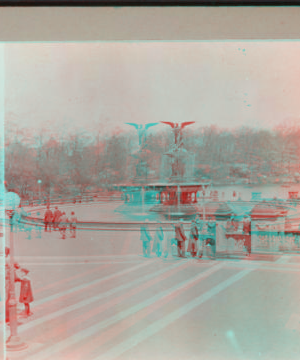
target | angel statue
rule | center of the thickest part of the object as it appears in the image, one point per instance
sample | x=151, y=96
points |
x=142, y=130
x=177, y=129
x=178, y=166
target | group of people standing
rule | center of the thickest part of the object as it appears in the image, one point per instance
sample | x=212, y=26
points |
x=201, y=235
x=58, y=220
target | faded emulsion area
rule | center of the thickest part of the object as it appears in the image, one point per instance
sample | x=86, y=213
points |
x=150, y=200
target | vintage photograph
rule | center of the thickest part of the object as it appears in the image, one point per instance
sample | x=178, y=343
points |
x=150, y=200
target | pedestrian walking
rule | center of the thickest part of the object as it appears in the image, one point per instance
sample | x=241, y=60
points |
x=63, y=223
x=193, y=239
x=181, y=238
x=247, y=233
x=56, y=216
x=73, y=225
x=211, y=240
x=158, y=238
x=26, y=296
x=146, y=239
x=48, y=217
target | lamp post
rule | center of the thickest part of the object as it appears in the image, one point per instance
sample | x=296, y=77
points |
x=14, y=343
x=39, y=182
x=205, y=188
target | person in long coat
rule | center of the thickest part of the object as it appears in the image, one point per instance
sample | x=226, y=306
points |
x=157, y=243
x=146, y=239
x=26, y=296
x=201, y=228
x=193, y=239
x=56, y=217
x=181, y=239
x=48, y=217
x=247, y=233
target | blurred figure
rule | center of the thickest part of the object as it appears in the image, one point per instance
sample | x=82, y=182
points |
x=56, y=217
x=48, y=217
x=181, y=238
x=73, y=224
x=247, y=233
x=201, y=228
x=28, y=228
x=63, y=223
x=158, y=238
x=168, y=243
x=297, y=237
x=193, y=239
x=23, y=214
x=211, y=241
x=16, y=219
x=38, y=229
x=17, y=271
x=146, y=239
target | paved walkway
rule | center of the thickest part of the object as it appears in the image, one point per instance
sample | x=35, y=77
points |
x=127, y=307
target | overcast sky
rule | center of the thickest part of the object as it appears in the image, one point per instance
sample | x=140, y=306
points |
x=65, y=86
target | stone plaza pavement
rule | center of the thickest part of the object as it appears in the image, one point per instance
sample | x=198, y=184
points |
x=96, y=297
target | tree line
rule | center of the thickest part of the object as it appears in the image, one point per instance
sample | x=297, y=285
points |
x=75, y=163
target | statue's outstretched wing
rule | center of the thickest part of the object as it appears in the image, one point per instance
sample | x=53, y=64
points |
x=169, y=123
x=133, y=124
x=149, y=125
x=186, y=123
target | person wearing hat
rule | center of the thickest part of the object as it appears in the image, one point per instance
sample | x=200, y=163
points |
x=48, y=219
x=26, y=296
x=181, y=238
x=56, y=216
x=247, y=233
x=193, y=239
x=145, y=238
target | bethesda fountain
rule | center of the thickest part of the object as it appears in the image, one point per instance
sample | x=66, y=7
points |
x=174, y=192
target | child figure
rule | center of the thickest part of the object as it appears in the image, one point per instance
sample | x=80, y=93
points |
x=73, y=222
x=63, y=225
x=26, y=296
